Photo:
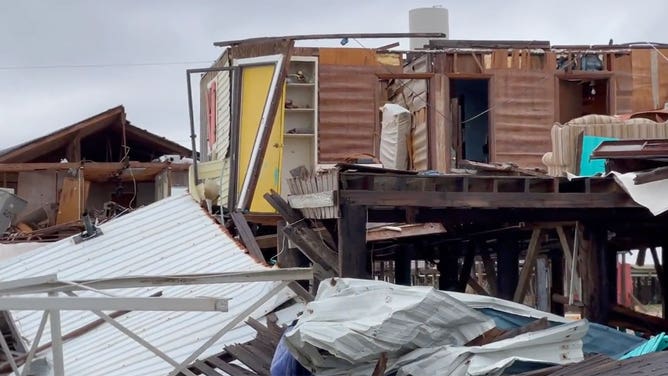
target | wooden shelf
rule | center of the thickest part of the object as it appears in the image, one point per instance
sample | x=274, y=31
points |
x=300, y=84
x=298, y=135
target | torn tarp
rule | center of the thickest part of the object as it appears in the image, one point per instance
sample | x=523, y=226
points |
x=352, y=322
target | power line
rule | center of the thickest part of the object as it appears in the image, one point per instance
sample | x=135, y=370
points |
x=108, y=65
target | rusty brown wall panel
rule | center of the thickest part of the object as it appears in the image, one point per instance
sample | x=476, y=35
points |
x=642, y=81
x=347, y=111
x=522, y=117
x=623, y=84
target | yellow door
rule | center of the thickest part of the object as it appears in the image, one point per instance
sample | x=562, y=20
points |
x=255, y=83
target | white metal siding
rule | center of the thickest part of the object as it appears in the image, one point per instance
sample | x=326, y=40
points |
x=222, y=143
x=171, y=236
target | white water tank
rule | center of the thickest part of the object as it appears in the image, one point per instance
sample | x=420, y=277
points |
x=427, y=20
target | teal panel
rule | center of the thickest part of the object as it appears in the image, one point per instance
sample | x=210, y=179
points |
x=592, y=167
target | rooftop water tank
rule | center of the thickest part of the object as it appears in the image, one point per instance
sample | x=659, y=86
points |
x=427, y=20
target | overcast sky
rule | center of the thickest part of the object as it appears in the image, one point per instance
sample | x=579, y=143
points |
x=41, y=40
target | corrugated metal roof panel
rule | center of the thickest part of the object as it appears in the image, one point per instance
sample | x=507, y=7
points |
x=172, y=236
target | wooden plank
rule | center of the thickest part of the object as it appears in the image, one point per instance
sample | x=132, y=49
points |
x=206, y=369
x=488, y=199
x=247, y=237
x=248, y=359
x=529, y=262
x=312, y=200
x=353, y=254
x=230, y=369
x=72, y=202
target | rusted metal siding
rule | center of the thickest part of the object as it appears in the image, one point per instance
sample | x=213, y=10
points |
x=347, y=123
x=522, y=116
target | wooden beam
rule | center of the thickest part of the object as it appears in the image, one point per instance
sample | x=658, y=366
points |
x=532, y=200
x=353, y=254
x=330, y=36
x=405, y=231
x=247, y=237
x=656, y=174
x=448, y=268
x=529, y=262
x=507, y=260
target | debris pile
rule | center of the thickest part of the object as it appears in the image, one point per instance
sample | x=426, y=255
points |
x=364, y=327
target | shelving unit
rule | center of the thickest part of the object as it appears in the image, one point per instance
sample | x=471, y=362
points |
x=300, y=120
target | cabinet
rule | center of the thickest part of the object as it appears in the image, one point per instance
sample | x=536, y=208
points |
x=300, y=117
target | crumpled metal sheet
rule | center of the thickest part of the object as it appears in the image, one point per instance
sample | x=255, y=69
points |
x=351, y=322
x=558, y=345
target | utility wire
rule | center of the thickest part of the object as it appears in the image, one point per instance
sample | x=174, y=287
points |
x=108, y=65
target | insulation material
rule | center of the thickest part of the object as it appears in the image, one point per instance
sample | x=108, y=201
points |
x=396, y=126
x=379, y=318
x=558, y=345
x=420, y=141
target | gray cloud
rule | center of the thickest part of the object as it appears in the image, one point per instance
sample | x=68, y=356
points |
x=76, y=32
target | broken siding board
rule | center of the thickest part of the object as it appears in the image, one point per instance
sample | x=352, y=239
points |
x=348, y=56
x=73, y=198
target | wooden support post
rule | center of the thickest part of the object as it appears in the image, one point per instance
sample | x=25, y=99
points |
x=353, y=255
x=490, y=272
x=664, y=279
x=465, y=273
x=529, y=262
x=557, y=285
x=543, y=294
x=594, y=266
x=448, y=267
x=402, y=264
x=507, y=261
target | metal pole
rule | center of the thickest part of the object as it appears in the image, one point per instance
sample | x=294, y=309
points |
x=33, y=348
x=8, y=354
x=239, y=318
x=56, y=341
x=193, y=136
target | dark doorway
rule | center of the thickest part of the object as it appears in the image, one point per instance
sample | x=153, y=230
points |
x=582, y=97
x=473, y=98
